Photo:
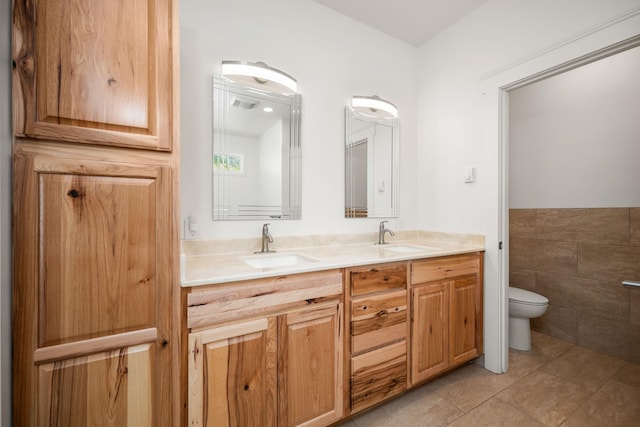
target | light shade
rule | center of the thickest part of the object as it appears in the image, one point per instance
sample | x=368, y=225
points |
x=374, y=106
x=260, y=76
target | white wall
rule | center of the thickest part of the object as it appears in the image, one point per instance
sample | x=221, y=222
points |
x=462, y=71
x=574, y=138
x=271, y=158
x=332, y=57
x=5, y=213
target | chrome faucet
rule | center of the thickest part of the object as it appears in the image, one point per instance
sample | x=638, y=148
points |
x=266, y=239
x=382, y=231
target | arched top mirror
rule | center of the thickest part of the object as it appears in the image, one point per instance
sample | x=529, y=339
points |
x=256, y=144
x=371, y=158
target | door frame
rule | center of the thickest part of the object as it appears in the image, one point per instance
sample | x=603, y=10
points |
x=615, y=35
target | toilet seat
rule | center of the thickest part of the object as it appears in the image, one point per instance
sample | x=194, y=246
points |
x=522, y=296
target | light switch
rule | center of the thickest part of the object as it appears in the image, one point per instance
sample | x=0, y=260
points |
x=469, y=174
x=191, y=227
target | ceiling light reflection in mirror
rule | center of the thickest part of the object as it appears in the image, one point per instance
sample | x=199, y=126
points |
x=256, y=144
x=371, y=158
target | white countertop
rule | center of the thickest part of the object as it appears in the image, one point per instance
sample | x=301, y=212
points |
x=212, y=268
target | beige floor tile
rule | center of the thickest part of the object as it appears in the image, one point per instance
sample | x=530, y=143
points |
x=629, y=374
x=419, y=407
x=584, y=367
x=471, y=385
x=522, y=363
x=545, y=397
x=376, y=417
x=549, y=345
x=555, y=381
x=615, y=405
x=543, y=349
x=495, y=413
x=425, y=410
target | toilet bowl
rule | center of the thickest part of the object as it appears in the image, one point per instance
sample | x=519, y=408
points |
x=523, y=305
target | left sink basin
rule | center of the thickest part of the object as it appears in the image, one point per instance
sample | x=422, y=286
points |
x=277, y=260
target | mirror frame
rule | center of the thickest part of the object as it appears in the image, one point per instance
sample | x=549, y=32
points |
x=393, y=211
x=291, y=207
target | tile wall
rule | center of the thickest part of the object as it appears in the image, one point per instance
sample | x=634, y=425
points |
x=578, y=259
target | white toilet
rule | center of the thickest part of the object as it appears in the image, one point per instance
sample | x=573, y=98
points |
x=523, y=305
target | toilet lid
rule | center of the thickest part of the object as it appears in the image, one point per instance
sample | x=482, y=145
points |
x=526, y=297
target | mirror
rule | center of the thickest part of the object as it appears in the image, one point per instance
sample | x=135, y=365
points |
x=371, y=164
x=256, y=153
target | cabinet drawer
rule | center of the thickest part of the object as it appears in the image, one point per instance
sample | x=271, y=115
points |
x=261, y=296
x=444, y=268
x=378, y=319
x=378, y=278
x=378, y=375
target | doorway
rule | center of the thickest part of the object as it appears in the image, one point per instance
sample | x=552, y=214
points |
x=541, y=227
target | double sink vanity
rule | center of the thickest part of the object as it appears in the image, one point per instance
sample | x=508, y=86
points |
x=325, y=326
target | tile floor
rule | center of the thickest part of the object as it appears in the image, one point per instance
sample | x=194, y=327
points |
x=554, y=384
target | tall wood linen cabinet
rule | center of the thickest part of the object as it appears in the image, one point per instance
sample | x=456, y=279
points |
x=95, y=213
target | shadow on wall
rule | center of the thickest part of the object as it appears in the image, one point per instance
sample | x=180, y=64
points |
x=578, y=259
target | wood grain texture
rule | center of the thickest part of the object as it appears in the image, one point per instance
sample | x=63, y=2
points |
x=378, y=375
x=70, y=393
x=430, y=331
x=95, y=345
x=208, y=305
x=378, y=311
x=97, y=271
x=440, y=268
x=98, y=72
x=446, y=318
x=232, y=375
x=85, y=274
x=379, y=337
x=463, y=316
x=310, y=367
x=378, y=325
x=378, y=278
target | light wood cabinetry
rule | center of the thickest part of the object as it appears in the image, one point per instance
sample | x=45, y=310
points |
x=95, y=213
x=232, y=375
x=378, y=330
x=272, y=352
x=446, y=315
x=281, y=368
x=95, y=73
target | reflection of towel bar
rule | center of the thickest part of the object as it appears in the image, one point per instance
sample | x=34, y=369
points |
x=630, y=284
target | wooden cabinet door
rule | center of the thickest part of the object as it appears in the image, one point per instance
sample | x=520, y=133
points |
x=112, y=388
x=430, y=330
x=232, y=375
x=464, y=320
x=310, y=366
x=98, y=72
x=91, y=293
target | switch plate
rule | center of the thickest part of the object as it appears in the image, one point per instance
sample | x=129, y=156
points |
x=191, y=227
x=469, y=174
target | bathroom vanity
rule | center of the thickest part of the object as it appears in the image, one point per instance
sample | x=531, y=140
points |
x=336, y=331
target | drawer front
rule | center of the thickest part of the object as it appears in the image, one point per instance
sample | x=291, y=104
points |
x=377, y=279
x=261, y=296
x=444, y=268
x=378, y=319
x=378, y=375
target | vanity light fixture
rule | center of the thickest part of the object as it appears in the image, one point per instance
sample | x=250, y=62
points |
x=374, y=106
x=259, y=75
x=268, y=109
